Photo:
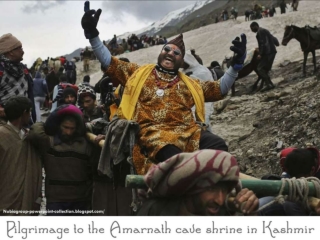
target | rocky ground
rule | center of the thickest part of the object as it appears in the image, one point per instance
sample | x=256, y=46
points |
x=257, y=126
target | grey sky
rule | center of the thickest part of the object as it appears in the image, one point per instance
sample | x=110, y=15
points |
x=41, y=6
x=142, y=10
x=53, y=28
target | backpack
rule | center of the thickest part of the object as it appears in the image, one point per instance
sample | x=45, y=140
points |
x=69, y=65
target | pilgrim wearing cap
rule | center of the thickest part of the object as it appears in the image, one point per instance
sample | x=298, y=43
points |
x=66, y=160
x=16, y=78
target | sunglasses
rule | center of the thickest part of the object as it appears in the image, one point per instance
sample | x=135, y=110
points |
x=176, y=52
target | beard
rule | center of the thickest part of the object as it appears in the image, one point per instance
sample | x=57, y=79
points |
x=66, y=138
x=203, y=209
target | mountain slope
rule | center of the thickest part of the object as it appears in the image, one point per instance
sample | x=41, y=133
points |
x=75, y=53
x=196, y=15
x=173, y=18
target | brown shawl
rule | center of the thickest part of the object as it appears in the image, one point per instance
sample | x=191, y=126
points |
x=20, y=173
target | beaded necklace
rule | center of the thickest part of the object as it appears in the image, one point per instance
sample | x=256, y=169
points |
x=163, y=78
x=160, y=91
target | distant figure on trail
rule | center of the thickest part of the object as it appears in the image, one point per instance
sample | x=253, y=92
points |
x=294, y=5
x=125, y=45
x=247, y=15
x=272, y=11
x=71, y=73
x=267, y=53
x=86, y=59
x=234, y=13
x=217, y=18
x=113, y=42
x=225, y=15
x=40, y=91
x=283, y=7
x=257, y=9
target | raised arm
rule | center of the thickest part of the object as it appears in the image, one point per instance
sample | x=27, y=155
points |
x=114, y=68
x=38, y=138
x=101, y=51
x=214, y=91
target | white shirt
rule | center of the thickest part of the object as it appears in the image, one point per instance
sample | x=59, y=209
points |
x=22, y=133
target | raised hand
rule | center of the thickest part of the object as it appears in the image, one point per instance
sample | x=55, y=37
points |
x=90, y=21
x=240, y=52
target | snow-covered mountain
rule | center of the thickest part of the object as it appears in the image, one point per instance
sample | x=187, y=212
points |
x=171, y=19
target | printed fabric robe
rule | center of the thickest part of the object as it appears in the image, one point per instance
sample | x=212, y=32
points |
x=163, y=120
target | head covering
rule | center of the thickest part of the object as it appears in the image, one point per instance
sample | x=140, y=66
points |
x=8, y=42
x=69, y=91
x=38, y=75
x=191, y=173
x=86, y=90
x=285, y=152
x=52, y=123
x=86, y=78
x=178, y=41
x=214, y=64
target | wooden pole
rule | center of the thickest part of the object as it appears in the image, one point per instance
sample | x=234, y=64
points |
x=91, y=137
x=260, y=187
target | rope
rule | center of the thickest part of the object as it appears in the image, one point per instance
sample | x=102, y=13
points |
x=298, y=191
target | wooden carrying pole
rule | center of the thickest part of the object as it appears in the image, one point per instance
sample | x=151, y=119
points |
x=259, y=187
x=91, y=137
